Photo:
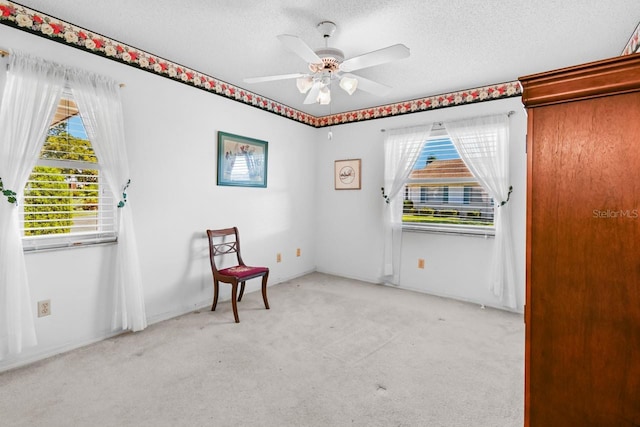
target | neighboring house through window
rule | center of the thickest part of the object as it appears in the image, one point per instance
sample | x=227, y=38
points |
x=441, y=193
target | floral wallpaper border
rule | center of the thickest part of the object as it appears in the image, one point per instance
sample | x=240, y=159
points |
x=469, y=96
x=633, y=43
x=20, y=17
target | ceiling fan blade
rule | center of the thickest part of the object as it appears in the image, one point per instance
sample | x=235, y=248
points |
x=377, y=57
x=312, y=96
x=371, y=86
x=273, y=78
x=300, y=48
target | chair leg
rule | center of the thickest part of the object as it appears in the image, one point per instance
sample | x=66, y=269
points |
x=215, y=295
x=264, y=291
x=241, y=291
x=234, y=290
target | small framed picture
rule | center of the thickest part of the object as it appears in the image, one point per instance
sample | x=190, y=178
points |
x=347, y=174
x=242, y=161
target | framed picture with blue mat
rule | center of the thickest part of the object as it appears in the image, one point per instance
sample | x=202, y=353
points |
x=242, y=161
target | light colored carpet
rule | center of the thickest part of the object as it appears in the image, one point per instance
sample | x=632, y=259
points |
x=330, y=352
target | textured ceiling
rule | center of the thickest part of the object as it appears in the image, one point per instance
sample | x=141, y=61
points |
x=455, y=44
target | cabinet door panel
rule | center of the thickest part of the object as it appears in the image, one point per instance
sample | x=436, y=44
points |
x=584, y=266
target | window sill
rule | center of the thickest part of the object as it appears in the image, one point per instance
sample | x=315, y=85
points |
x=42, y=244
x=458, y=230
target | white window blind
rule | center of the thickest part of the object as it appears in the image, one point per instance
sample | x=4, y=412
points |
x=441, y=193
x=65, y=202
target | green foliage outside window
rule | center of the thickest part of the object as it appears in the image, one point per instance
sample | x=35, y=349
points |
x=56, y=196
x=47, y=200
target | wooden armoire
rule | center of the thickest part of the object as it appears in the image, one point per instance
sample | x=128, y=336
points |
x=582, y=313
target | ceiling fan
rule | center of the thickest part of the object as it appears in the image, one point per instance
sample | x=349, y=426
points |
x=328, y=63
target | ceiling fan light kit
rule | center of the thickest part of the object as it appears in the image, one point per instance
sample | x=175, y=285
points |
x=324, y=97
x=328, y=63
x=349, y=84
x=304, y=84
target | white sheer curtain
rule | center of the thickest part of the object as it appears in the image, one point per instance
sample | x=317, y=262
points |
x=401, y=150
x=483, y=144
x=99, y=103
x=31, y=93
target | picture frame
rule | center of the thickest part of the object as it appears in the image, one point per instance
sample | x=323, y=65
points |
x=347, y=174
x=242, y=161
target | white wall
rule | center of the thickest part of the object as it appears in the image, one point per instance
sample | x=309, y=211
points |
x=171, y=135
x=171, y=132
x=350, y=242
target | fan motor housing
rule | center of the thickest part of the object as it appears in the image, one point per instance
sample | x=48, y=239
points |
x=331, y=59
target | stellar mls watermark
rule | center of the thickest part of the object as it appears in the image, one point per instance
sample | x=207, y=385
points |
x=614, y=214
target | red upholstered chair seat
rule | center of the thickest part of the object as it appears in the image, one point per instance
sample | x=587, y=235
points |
x=241, y=271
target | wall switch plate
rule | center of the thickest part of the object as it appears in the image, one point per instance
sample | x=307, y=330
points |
x=278, y=257
x=420, y=263
x=44, y=308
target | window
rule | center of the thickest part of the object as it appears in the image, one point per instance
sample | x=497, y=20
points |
x=441, y=193
x=65, y=201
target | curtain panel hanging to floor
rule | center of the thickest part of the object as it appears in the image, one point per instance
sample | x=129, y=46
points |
x=32, y=91
x=483, y=144
x=401, y=150
x=100, y=107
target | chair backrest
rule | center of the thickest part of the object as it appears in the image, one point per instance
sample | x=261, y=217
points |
x=221, y=244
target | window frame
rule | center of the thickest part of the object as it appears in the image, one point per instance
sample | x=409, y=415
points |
x=106, y=204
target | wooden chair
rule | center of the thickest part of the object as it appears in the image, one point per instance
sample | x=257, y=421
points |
x=240, y=273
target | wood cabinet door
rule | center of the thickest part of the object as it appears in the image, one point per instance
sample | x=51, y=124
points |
x=583, y=263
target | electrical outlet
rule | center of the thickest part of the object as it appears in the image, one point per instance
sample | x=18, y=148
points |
x=278, y=257
x=44, y=308
x=420, y=263
x=298, y=252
